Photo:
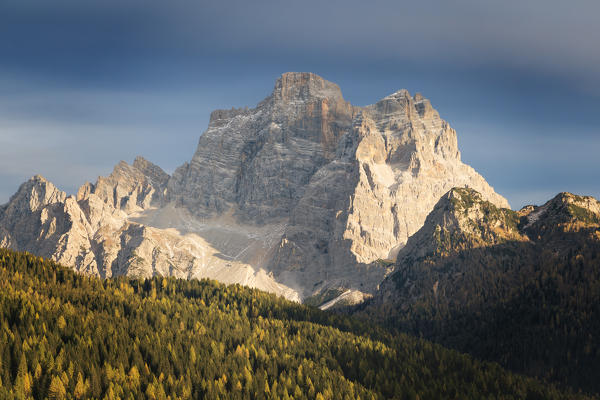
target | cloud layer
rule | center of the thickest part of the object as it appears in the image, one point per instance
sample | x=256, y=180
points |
x=85, y=84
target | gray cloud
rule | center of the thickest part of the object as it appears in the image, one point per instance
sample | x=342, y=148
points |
x=552, y=37
x=85, y=84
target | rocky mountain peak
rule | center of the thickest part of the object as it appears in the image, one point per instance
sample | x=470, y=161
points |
x=401, y=95
x=152, y=171
x=415, y=135
x=35, y=194
x=468, y=203
x=256, y=163
x=302, y=86
x=570, y=201
x=564, y=211
x=460, y=199
x=404, y=106
x=462, y=219
x=350, y=183
x=398, y=103
x=24, y=219
x=129, y=187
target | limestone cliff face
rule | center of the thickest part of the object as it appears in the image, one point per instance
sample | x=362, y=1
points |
x=408, y=158
x=391, y=167
x=43, y=220
x=350, y=184
x=256, y=163
x=316, y=193
x=86, y=231
x=129, y=187
x=118, y=226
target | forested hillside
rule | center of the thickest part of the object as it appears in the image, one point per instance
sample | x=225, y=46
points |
x=521, y=289
x=65, y=335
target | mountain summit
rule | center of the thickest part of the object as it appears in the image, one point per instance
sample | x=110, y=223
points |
x=303, y=86
x=301, y=194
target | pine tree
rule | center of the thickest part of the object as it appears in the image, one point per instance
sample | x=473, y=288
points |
x=80, y=387
x=133, y=378
x=61, y=323
x=57, y=390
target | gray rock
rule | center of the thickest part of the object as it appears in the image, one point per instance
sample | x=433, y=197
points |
x=256, y=163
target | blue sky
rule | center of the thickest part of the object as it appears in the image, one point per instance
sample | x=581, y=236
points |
x=84, y=84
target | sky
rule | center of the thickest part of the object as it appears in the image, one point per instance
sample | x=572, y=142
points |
x=85, y=84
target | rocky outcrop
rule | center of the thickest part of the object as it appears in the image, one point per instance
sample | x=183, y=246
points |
x=130, y=187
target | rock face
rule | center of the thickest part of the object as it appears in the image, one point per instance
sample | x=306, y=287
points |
x=306, y=186
x=117, y=227
x=258, y=162
x=351, y=184
x=390, y=169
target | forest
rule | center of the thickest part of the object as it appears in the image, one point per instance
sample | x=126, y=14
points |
x=533, y=306
x=64, y=335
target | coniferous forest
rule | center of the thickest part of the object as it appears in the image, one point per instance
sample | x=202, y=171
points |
x=533, y=306
x=68, y=336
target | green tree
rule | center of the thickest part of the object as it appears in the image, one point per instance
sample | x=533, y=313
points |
x=57, y=390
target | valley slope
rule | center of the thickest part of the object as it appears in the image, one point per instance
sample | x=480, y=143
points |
x=521, y=288
x=65, y=335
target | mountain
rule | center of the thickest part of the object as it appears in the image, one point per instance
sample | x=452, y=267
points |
x=520, y=288
x=100, y=231
x=304, y=195
x=65, y=335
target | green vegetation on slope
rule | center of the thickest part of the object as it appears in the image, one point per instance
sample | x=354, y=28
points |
x=64, y=335
x=531, y=305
